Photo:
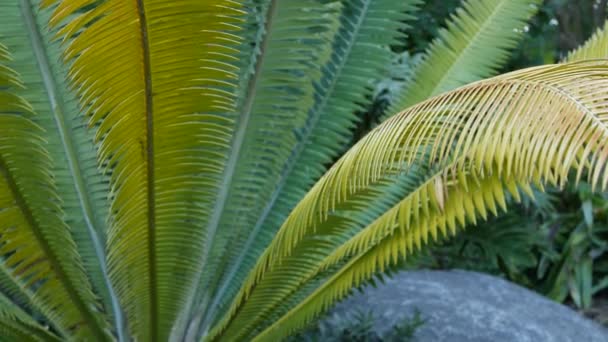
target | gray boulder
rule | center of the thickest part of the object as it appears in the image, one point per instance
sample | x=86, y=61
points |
x=467, y=306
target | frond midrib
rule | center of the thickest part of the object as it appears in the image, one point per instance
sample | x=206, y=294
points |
x=70, y=288
x=150, y=174
x=70, y=154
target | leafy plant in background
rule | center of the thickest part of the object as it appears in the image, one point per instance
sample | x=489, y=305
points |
x=158, y=159
x=360, y=328
x=555, y=245
x=577, y=268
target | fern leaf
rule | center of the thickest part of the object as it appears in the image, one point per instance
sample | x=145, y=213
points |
x=475, y=44
x=594, y=47
x=159, y=119
x=36, y=244
x=478, y=140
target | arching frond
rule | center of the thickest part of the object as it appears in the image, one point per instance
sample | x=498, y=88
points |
x=380, y=251
x=594, y=47
x=81, y=187
x=155, y=82
x=35, y=244
x=473, y=46
x=273, y=299
x=360, y=54
x=531, y=126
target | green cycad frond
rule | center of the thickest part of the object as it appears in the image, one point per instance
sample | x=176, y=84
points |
x=475, y=44
x=36, y=246
x=17, y=325
x=10, y=286
x=359, y=55
x=594, y=47
x=252, y=30
x=531, y=126
x=272, y=105
x=81, y=187
x=155, y=82
x=293, y=44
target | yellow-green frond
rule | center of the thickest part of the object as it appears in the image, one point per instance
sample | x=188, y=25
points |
x=272, y=299
x=395, y=235
x=531, y=126
x=155, y=81
x=594, y=47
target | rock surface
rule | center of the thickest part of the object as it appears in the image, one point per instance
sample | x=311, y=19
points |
x=468, y=306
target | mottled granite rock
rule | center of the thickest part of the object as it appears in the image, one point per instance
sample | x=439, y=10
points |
x=468, y=306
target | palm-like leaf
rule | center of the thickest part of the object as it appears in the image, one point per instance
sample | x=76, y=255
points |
x=292, y=40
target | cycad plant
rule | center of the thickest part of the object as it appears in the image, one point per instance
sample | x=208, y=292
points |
x=158, y=159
